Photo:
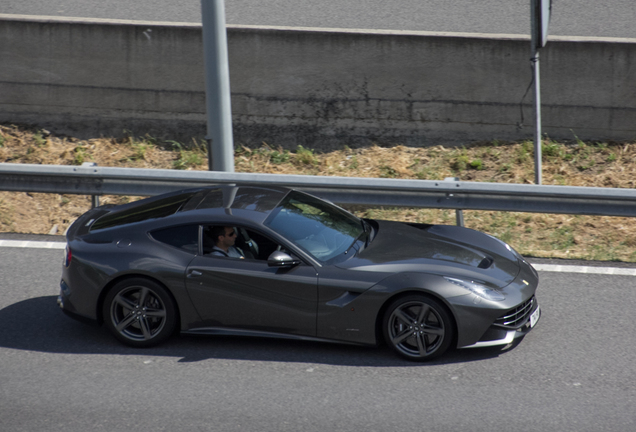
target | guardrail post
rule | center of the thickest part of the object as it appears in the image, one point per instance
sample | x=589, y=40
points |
x=94, y=198
x=459, y=217
x=459, y=213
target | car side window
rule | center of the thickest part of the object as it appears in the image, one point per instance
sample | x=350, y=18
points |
x=250, y=244
x=184, y=237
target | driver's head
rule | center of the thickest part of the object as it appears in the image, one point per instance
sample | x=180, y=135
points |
x=223, y=236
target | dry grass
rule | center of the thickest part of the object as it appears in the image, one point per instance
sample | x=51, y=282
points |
x=607, y=164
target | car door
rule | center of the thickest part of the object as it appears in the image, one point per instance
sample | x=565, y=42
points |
x=247, y=294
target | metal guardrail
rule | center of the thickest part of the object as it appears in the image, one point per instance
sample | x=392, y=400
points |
x=446, y=194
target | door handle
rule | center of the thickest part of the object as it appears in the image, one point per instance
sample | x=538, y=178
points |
x=194, y=273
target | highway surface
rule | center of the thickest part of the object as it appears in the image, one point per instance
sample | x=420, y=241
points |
x=574, y=372
x=609, y=18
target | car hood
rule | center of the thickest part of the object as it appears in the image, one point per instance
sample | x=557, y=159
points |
x=439, y=249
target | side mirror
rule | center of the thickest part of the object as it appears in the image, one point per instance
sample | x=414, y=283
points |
x=281, y=259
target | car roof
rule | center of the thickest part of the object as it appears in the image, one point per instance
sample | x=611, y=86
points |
x=253, y=203
x=250, y=202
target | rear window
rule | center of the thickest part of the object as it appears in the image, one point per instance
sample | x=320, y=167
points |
x=151, y=208
x=184, y=237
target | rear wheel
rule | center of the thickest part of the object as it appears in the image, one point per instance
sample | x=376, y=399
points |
x=418, y=328
x=139, y=312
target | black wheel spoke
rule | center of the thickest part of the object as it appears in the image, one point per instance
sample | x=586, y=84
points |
x=125, y=302
x=424, y=311
x=126, y=322
x=402, y=316
x=155, y=313
x=401, y=337
x=143, y=296
x=145, y=328
x=437, y=331
x=421, y=344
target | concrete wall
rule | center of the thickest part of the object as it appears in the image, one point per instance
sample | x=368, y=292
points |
x=319, y=88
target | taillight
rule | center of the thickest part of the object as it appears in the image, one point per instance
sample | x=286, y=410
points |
x=69, y=256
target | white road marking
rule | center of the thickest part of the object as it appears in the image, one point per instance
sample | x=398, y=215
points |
x=32, y=244
x=615, y=271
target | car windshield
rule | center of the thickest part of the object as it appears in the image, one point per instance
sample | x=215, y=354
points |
x=321, y=229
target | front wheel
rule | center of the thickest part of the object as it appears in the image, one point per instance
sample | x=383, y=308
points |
x=418, y=328
x=139, y=312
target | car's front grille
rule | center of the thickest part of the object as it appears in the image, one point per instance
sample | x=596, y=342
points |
x=516, y=317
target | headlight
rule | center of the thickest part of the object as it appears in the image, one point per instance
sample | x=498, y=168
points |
x=478, y=289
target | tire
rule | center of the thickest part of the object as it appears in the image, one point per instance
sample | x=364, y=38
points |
x=139, y=312
x=418, y=328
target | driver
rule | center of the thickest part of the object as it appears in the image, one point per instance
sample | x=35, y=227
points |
x=224, y=238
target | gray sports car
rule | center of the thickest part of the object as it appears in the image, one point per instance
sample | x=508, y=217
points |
x=276, y=262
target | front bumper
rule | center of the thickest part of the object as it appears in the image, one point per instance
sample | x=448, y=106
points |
x=490, y=323
x=499, y=334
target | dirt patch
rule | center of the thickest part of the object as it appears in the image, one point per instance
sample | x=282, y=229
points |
x=576, y=163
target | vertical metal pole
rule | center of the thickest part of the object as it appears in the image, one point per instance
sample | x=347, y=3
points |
x=534, y=5
x=459, y=213
x=537, y=119
x=459, y=217
x=217, y=86
x=94, y=198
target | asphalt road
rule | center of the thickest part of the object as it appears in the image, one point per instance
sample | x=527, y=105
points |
x=610, y=18
x=574, y=372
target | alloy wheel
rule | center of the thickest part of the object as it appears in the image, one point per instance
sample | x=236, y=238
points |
x=418, y=328
x=139, y=312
